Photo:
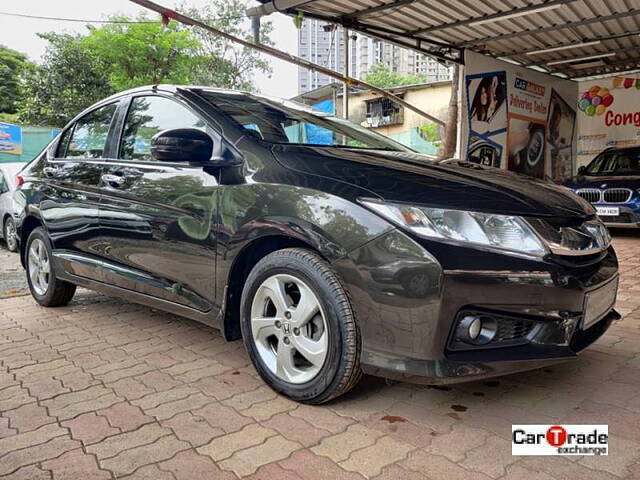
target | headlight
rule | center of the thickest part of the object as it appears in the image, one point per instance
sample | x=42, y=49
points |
x=503, y=232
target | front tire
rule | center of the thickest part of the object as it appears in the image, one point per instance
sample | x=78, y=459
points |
x=299, y=328
x=9, y=233
x=45, y=287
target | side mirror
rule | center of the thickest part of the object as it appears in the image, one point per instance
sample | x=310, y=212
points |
x=182, y=145
x=582, y=170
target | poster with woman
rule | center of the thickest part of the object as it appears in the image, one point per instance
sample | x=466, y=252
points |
x=487, y=93
x=486, y=97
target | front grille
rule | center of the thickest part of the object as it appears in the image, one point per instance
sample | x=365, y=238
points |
x=592, y=195
x=617, y=195
x=509, y=330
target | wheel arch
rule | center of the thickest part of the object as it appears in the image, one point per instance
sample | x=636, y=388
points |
x=28, y=225
x=246, y=258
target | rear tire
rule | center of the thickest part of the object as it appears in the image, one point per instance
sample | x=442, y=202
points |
x=45, y=287
x=9, y=233
x=304, y=341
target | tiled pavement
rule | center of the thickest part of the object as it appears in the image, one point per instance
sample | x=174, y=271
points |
x=106, y=389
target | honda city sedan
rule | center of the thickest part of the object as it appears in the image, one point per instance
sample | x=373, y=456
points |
x=330, y=250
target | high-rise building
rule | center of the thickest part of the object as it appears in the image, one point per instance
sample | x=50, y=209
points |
x=322, y=43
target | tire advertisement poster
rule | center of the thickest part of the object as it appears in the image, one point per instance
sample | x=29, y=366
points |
x=519, y=119
x=608, y=115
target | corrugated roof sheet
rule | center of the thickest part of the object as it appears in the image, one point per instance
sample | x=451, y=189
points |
x=514, y=29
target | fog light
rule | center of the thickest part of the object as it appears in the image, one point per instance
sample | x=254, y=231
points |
x=477, y=329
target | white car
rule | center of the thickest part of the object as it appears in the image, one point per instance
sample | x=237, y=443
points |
x=8, y=173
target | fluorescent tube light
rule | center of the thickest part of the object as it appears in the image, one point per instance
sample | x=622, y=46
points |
x=579, y=59
x=515, y=14
x=509, y=60
x=564, y=47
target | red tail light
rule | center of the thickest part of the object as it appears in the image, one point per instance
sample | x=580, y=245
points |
x=19, y=180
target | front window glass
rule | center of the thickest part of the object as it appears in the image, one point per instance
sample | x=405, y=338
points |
x=89, y=136
x=621, y=162
x=283, y=122
x=148, y=116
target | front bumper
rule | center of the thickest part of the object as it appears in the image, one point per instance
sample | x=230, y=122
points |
x=407, y=330
x=447, y=371
x=629, y=216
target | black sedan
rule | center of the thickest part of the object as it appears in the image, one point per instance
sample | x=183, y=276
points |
x=330, y=250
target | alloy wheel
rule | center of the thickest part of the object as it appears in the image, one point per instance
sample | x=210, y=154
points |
x=289, y=328
x=39, y=266
x=10, y=236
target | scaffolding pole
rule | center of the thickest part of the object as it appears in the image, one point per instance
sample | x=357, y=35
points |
x=168, y=13
x=345, y=88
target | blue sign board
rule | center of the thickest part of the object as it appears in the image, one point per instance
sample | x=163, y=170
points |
x=10, y=139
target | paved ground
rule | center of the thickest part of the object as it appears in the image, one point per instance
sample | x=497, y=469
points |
x=105, y=389
x=12, y=278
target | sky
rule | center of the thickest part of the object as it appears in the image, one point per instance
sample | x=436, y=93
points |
x=20, y=33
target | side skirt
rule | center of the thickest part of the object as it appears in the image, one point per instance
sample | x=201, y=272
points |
x=211, y=318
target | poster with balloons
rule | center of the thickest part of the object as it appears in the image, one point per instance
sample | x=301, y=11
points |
x=521, y=119
x=609, y=115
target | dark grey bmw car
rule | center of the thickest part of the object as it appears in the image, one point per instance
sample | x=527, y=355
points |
x=330, y=250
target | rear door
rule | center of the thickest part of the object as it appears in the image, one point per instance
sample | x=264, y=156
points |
x=158, y=219
x=70, y=195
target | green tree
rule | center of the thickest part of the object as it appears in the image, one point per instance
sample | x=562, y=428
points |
x=380, y=76
x=78, y=70
x=136, y=54
x=430, y=132
x=224, y=64
x=70, y=78
x=12, y=66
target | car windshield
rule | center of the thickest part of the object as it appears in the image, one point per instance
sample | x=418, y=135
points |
x=283, y=122
x=620, y=162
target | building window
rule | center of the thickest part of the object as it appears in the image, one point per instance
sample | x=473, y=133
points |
x=382, y=111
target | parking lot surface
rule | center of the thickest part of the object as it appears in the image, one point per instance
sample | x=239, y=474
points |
x=108, y=389
x=12, y=278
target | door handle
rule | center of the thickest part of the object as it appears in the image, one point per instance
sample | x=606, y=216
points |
x=111, y=179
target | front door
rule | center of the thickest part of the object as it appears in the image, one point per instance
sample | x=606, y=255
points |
x=158, y=219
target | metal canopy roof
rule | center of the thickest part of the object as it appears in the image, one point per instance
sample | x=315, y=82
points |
x=572, y=38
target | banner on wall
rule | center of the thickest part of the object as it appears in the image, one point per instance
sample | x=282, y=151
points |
x=487, y=100
x=609, y=115
x=10, y=139
x=519, y=119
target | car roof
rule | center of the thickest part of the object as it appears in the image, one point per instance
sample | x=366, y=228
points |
x=622, y=148
x=162, y=88
x=172, y=88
